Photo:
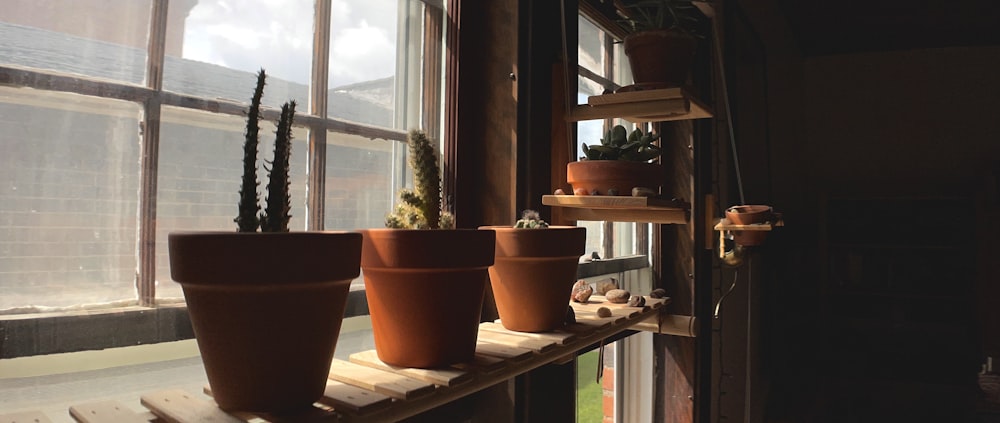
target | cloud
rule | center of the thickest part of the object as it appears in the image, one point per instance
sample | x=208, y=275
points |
x=277, y=35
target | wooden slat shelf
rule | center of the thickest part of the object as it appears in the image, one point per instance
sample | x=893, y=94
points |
x=642, y=106
x=619, y=208
x=366, y=389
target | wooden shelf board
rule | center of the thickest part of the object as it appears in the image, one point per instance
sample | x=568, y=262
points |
x=618, y=208
x=371, y=392
x=725, y=225
x=642, y=106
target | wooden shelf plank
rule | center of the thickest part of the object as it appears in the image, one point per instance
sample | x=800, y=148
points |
x=176, y=405
x=725, y=225
x=100, y=411
x=387, y=383
x=618, y=208
x=555, y=337
x=352, y=399
x=26, y=417
x=642, y=106
x=442, y=377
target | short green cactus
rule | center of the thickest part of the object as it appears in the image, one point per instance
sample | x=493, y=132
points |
x=276, y=213
x=618, y=144
x=530, y=219
x=420, y=208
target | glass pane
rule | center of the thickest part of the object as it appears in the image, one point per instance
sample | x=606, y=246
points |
x=363, y=60
x=591, y=57
x=89, y=37
x=224, y=44
x=201, y=164
x=359, y=181
x=68, y=200
x=591, y=404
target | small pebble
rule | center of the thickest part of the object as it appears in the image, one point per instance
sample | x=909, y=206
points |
x=595, y=192
x=595, y=256
x=605, y=285
x=580, y=191
x=604, y=312
x=612, y=191
x=643, y=192
x=559, y=191
x=636, y=301
x=581, y=291
x=570, y=316
x=618, y=296
x=658, y=293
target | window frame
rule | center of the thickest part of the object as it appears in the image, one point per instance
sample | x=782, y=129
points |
x=155, y=322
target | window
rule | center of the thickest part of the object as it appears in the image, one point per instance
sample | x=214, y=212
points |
x=626, y=386
x=88, y=169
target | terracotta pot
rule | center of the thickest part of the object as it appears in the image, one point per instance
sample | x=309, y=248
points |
x=748, y=215
x=534, y=273
x=604, y=175
x=266, y=309
x=425, y=293
x=660, y=56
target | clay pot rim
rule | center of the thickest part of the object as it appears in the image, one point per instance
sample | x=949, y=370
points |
x=426, y=248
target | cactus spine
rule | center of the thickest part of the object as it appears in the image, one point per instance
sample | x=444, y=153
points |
x=277, y=210
x=420, y=208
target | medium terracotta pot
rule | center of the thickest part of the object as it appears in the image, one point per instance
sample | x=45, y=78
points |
x=425, y=293
x=266, y=309
x=602, y=176
x=748, y=215
x=662, y=57
x=534, y=273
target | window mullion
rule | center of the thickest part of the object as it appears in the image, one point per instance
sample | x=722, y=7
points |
x=145, y=282
x=318, y=87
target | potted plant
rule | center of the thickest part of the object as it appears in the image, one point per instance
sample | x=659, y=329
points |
x=620, y=163
x=266, y=307
x=534, y=271
x=425, y=281
x=662, y=41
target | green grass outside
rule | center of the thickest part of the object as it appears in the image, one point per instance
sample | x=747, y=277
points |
x=589, y=395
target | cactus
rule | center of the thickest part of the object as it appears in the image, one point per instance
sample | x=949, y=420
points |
x=276, y=212
x=618, y=144
x=420, y=208
x=530, y=219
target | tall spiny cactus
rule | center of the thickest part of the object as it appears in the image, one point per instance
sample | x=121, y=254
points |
x=247, y=220
x=420, y=208
x=276, y=213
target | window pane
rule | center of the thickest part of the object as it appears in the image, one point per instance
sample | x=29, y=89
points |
x=363, y=60
x=88, y=37
x=223, y=44
x=201, y=165
x=359, y=181
x=70, y=172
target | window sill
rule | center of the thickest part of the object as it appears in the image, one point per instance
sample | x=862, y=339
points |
x=23, y=335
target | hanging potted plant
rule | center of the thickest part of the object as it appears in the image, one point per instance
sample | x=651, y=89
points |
x=662, y=41
x=425, y=280
x=266, y=307
x=534, y=272
x=621, y=162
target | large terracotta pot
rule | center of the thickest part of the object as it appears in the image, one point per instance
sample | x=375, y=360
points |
x=425, y=293
x=660, y=57
x=266, y=309
x=601, y=176
x=748, y=215
x=534, y=273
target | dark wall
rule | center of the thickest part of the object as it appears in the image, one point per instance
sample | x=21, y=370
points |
x=895, y=131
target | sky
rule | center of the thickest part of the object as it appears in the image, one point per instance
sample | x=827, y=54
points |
x=277, y=35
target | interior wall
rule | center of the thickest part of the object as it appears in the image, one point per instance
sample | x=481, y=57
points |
x=909, y=123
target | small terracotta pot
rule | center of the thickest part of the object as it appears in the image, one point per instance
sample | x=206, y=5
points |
x=425, y=293
x=534, y=273
x=748, y=215
x=602, y=176
x=661, y=56
x=266, y=309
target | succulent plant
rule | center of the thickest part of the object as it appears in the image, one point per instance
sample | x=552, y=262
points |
x=619, y=144
x=530, y=219
x=276, y=212
x=420, y=208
